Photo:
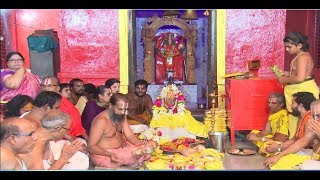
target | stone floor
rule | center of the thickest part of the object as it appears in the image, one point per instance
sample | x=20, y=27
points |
x=237, y=162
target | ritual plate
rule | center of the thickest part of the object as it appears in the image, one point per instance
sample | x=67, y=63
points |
x=170, y=152
x=241, y=151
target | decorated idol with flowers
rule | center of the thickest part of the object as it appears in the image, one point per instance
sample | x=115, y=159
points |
x=169, y=110
x=170, y=100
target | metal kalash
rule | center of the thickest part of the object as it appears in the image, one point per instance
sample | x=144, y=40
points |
x=218, y=140
x=218, y=135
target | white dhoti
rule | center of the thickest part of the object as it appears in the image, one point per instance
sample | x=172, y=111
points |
x=79, y=161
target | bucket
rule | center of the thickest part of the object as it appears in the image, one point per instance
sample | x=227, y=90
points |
x=218, y=140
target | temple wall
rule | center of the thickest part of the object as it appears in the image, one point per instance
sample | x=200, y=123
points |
x=89, y=45
x=255, y=34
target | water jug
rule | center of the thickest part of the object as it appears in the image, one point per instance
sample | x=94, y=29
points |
x=218, y=140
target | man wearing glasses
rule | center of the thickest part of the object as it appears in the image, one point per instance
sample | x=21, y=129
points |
x=314, y=126
x=54, y=126
x=304, y=137
x=17, y=136
x=276, y=129
x=51, y=83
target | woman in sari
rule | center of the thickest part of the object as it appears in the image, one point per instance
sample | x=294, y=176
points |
x=17, y=79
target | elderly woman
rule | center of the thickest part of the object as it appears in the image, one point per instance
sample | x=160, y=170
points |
x=16, y=79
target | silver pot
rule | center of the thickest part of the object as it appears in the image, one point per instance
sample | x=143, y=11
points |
x=218, y=140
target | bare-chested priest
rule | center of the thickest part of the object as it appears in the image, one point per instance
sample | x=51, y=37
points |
x=140, y=104
x=111, y=141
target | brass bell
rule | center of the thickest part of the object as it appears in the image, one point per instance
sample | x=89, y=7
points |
x=189, y=14
x=171, y=13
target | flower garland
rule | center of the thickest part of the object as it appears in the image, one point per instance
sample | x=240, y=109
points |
x=159, y=106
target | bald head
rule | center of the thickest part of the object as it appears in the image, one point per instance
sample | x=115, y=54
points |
x=14, y=126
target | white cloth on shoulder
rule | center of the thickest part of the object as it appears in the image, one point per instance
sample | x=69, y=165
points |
x=79, y=161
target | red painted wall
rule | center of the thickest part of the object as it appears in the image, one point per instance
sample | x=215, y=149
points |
x=255, y=34
x=24, y=22
x=89, y=40
x=89, y=45
x=302, y=21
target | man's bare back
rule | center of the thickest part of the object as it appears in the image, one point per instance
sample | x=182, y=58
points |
x=304, y=59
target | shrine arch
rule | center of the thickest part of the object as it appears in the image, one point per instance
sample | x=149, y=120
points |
x=148, y=34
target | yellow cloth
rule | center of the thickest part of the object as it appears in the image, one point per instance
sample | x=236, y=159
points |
x=81, y=104
x=307, y=86
x=264, y=145
x=293, y=123
x=144, y=116
x=279, y=123
x=289, y=90
x=180, y=120
x=289, y=162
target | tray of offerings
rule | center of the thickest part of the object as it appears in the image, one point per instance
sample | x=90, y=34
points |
x=169, y=148
x=177, y=145
x=241, y=152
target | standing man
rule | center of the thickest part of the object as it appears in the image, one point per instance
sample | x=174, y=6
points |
x=140, y=104
x=17, y=136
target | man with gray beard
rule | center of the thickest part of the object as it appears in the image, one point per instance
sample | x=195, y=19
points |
x=112, y=143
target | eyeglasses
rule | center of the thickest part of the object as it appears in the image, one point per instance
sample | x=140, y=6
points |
x=16, y=60
x=28, y=134
x=270, y=102
x=48, y=85
x=316, y=116
x=67, y=129
x=23, y=134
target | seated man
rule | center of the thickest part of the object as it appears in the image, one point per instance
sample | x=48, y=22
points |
x=111, y=141
x=51, y=83
x=113, y=84
x=140, y=104
x=95, y=106
x=314, y=126
x=17, y=137
x=54, y=126
x=304, y=136
x=169, y=111
x=277, y=125
x=77, y=97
